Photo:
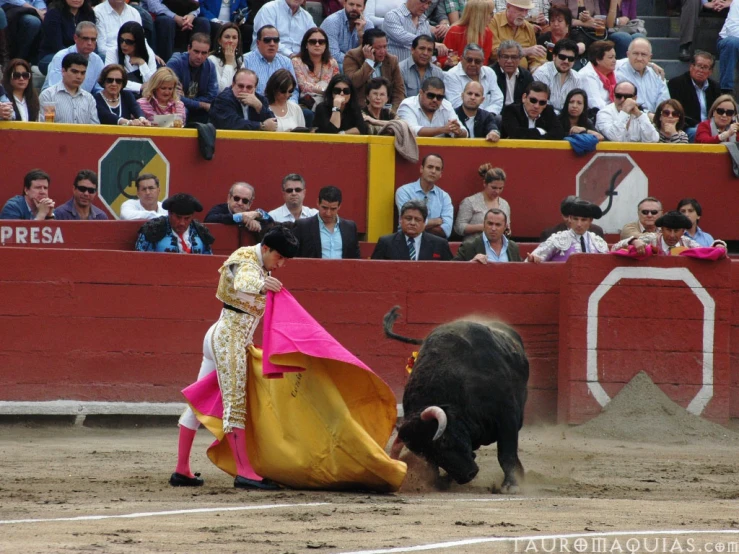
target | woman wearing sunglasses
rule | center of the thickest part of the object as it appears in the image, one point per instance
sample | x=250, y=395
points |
x=117, y=106
x=721, y=125
x=669, y=118
x=133, y=53
x=18, y=84
x=339, y=111
x=280, y=87
x=314, y=67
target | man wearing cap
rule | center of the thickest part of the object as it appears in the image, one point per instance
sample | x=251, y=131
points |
x=668, y=239
x=578, y=239
x=511, y=24
x=176, y=232
x=242, y=287
x=491, y=245
x=564, y=209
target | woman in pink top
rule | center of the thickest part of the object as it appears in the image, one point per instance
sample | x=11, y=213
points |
x=314, y=66
x=160, y=96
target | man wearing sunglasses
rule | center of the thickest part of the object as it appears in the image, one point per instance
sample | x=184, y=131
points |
x=293, y=192
x=558, y=74
x=669, y=238
x=345, y=29
x=429, y=114
x=473, y=69
x=533, y=118
x=79, y=207
x=85, y=42
x=266, y=58
x=636, y=69
x=648, y=211
x=624, y=120
x=241, y=107
x=237, y=209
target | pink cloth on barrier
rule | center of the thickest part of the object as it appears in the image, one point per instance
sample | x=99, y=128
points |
x=705, y=253
x=631, y=252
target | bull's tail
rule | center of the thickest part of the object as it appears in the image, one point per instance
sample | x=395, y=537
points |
x=387, y=324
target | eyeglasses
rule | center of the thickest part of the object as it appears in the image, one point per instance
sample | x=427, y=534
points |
x=703, y=67
x=538, y=101
x=238, y=199
x=87, y=39
x=564, y=57
x=342, y=90
x=474, y=61
x=512, y=57
x=722, y=111
x=88, y=190
x=316, y=41
x=649, y=212
x=21, y=75
x=267, y=40
x=297, y=189
x=621, y=96
x=434, y=96
x=670, y=113
x=111, y=80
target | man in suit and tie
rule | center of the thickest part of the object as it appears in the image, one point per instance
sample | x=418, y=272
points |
x=411, y=242
x=695, y=90
x=492, y=245
x=325, y=235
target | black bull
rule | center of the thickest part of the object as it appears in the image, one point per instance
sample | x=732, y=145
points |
x=467, y=389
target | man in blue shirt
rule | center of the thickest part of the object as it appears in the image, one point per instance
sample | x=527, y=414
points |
x=438, y=202
x=266, y=59
x=198, y=78
x=325, y=235
x=79, y=207
x=34, y=203
x=346, y=28
x=692, y=209
x=85, y=41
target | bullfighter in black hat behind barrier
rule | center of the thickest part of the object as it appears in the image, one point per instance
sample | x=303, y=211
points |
x=177, y=232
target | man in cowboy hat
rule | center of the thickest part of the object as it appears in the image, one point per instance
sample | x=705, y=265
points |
x=177, y=232
x=668, y=239
x=245, y=279
x=575, y=240
x=511, y=24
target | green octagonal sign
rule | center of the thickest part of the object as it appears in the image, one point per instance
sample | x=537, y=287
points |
x=122, y=163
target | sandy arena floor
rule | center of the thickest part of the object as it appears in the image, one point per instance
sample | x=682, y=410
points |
x=672, y=487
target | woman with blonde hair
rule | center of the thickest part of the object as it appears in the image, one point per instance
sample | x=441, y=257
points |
x=721, y=125
x=472, y=28
x=160, y=96
x=472, y=210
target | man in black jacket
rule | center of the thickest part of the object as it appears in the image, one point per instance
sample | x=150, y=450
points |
x=696, y=81
x=479, y=123
x=411, y=242
x=492, y=245
x=512, y=79
x=533, y=118
x=325, y=235
x=237, y=209
x=241, y=107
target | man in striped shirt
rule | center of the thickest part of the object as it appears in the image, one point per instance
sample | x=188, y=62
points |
x=404, y=24
x=72, y=104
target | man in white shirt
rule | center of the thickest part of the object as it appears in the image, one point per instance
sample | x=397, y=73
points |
x=558, y=73
x=289, y=19
x=473, y=68
x=624, y=120
x=110, y=16
x=147, y=205
x=293, y=192
x=429, y=114
x=635, y=69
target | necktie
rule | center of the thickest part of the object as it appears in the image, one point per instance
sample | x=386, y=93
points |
x=582, y=244
x=412, y=248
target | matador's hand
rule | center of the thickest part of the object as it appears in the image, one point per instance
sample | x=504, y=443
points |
x=270, y=283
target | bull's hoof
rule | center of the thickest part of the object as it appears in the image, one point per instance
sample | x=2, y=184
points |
x=510, y=488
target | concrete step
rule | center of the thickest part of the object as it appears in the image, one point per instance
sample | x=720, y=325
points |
x=672, y=67
x=659, y=26
x=647, y=7
x=665, y=48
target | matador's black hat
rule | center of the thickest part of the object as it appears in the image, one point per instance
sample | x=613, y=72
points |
x=674, y=220
x=182, y=204
x=564, y=207
x=583, y=208
x=281, y=238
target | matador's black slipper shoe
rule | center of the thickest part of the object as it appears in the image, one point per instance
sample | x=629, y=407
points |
x=265, y=484
x=179, y=480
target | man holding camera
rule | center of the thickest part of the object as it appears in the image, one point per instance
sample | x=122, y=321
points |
x=625, y=120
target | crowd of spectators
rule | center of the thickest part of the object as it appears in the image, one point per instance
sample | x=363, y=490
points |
x=526, y=69
x=426, y=219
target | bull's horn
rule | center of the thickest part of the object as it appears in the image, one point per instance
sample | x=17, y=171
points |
x=434, y=412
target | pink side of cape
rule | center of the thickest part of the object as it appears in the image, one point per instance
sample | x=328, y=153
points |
x=705, y=253
x=631, y=253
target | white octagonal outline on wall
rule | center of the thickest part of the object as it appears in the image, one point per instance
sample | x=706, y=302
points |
x=704, y=395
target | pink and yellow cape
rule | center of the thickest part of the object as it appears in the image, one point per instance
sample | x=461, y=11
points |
x=317, y=417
